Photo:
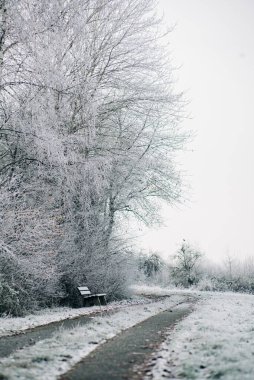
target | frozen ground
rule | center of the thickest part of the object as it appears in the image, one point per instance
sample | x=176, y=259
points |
x=216, y=341
x=49, y=358
x=147, y=290
x=11, y=326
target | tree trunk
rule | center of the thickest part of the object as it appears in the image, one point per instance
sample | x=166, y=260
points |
x=2, y=30
x=111, y=221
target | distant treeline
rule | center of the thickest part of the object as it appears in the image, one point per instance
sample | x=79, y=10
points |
x=190, y=268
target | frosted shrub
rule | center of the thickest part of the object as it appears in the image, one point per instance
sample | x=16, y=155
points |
x=224, y=284
x=111, y=274
x=24, y=284
x=206, y=284
x=11, y=291
x=185, y=271
x=240, y=284
x=9, y=300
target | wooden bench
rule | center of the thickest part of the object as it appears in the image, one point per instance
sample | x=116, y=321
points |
x=91, y=299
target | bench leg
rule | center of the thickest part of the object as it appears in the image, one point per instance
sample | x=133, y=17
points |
x=103, y=300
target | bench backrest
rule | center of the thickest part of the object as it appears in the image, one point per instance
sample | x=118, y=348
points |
x=84, y=291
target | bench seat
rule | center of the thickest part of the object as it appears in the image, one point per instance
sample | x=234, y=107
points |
x=90, y=299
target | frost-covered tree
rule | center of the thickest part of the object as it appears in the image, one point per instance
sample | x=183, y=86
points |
x=89, y=125
x=151, y=264
x=185, y=267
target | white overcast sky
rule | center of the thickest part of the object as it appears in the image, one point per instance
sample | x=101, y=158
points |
x=213, y=42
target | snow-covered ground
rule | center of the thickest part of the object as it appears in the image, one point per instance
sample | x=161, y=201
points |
x=11, y=326
x=216, y=341
x=49, y=358
x=158, y=291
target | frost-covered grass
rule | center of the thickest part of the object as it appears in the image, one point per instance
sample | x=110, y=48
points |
x=11, y=326
x=153, y=290
x=49, y=358
x=216, y=341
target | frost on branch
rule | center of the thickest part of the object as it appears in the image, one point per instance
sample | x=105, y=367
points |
x=89, y=127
